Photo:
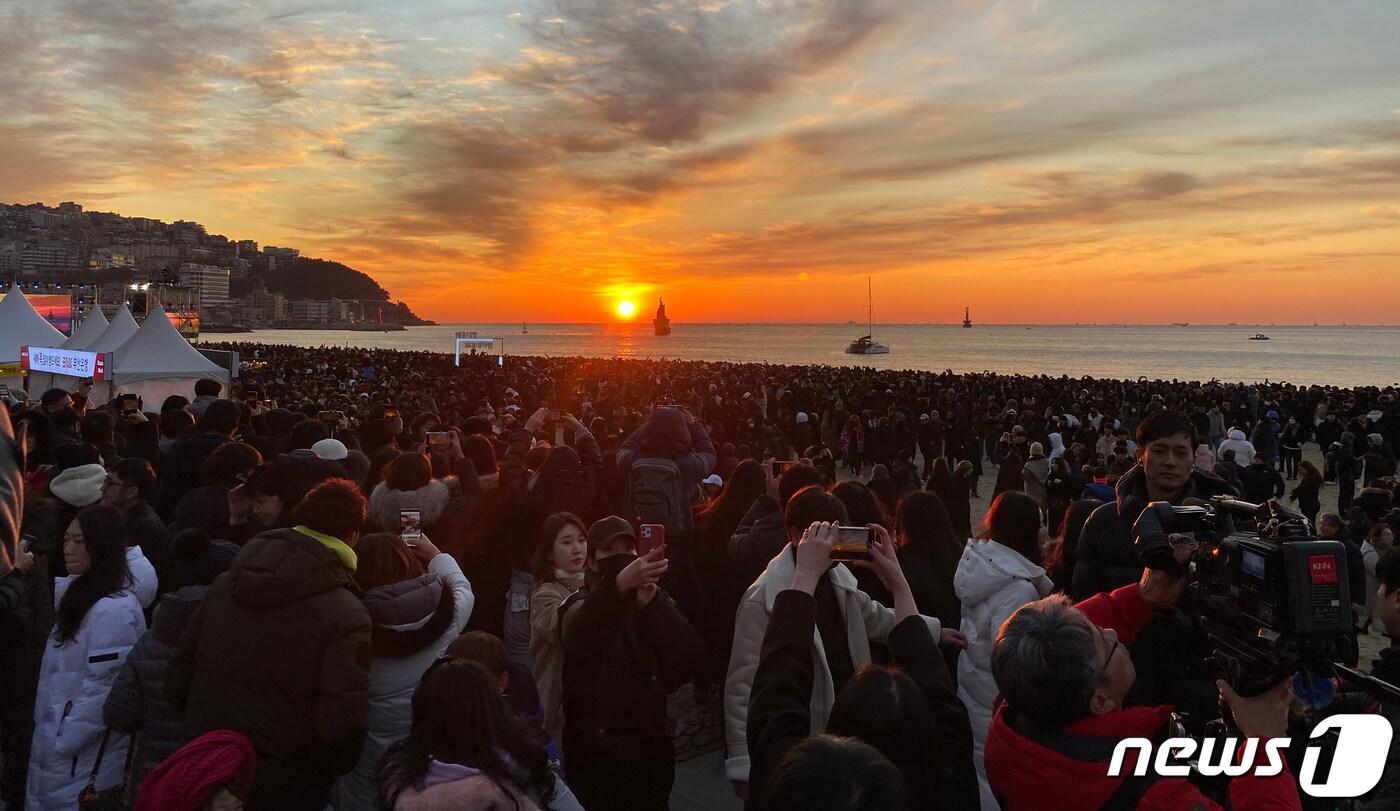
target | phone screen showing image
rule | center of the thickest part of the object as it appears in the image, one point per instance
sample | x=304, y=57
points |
x=410, y=526
x=852, y=543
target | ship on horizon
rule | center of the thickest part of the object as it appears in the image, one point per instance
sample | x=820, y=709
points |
x=661, y=324
x=967, y=318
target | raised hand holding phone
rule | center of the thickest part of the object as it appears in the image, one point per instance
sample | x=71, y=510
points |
x=646, y=569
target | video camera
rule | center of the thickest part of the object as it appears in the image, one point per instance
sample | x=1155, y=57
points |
x=1273, y=598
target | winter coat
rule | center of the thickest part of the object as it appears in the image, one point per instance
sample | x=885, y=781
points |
x=454, y=787
x=761, y=534
x=1244, y=451
x=1028, y=775
x=620, y=662
x=443, y=518
x=666, y=435
x=181, y=470
x=73, y=683
x=413, y=623
x=145, y=529
x=204, y=508
x=1107, y=558
x=1386, y=794
x=137, y=705
x=1260, y=482
x=1034, y=474
x=280, y=652
x=992, y=581
x=865, y=621
x=778, y=716
x=143, y=576
x=547, y=649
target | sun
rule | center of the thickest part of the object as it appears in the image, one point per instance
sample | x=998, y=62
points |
x=626, y=309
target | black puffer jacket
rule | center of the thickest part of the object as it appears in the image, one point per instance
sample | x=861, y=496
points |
x=280, y=651
x=1107, y=558
x=761, y=534
x=1386, y=794
x=137, y=702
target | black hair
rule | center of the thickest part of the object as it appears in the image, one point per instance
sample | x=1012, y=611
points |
x=226, y=463
x=175, y=402
x=797, y=478
x=1164, y=424
x=830, y=773
x=334, y=507
x=863, y=506
x=221, y=417
x=1013, y=521
x=886, y=709
x=205, y=386
x=810, y=505
x=542, y=564
x=459, y=717
x=307, y=433
x=97, y=427
x=136, y=471
x=104, y=535
x=1388, y=569
x=479, y=449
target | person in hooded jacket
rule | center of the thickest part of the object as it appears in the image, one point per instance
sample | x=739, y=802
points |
x=97, y=621
x=626, y=647
x=136, y=705
x=997, y=575
x=1261, y=481
x=290, y=599
x=1035, y=476
x=1236, y=441
x=416, y=613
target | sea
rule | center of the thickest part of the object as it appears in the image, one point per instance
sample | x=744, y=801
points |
x=1340, y=356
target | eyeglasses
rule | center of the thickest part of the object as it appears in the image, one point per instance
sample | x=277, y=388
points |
x=1103, y=668
x=111, y=482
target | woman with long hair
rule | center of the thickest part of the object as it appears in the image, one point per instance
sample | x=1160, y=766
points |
x=96, y=623
x=464, y=748
x=720, y=588
x=853, y=445
x=1065, y=553
x=559, y=561
x=863, y=507
x=929, y=551
x=997, y=575
x=418, y=602
x=1308, y=490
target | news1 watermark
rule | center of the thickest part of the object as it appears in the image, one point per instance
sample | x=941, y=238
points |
x=1363, y=743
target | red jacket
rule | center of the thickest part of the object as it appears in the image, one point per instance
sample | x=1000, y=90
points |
x=1031, y=777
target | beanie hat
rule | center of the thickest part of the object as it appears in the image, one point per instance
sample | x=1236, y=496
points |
x=329, y=448
x=187, y=780
x=801, y=417
x=79, y=486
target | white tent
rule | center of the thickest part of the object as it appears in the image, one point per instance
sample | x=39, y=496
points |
x=121, y=329
x=158, y=362
x=20, y=326
x=89, y=331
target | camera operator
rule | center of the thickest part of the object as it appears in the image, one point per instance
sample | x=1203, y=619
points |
x=1171, y=650
x=1064, y=671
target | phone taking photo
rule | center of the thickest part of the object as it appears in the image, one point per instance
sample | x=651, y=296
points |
x=649, y=537
x=780, y=467
x=852, y=543
x=411, y=526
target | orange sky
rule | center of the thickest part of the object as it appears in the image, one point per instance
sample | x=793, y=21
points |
x=1037, y=161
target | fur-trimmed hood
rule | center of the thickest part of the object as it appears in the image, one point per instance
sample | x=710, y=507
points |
x=385, y=503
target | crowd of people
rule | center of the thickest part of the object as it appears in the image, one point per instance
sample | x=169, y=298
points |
x=368, y=579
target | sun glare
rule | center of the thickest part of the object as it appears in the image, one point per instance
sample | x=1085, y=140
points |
x=626, y=309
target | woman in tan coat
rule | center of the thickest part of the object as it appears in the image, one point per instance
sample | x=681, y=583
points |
x=558, y=568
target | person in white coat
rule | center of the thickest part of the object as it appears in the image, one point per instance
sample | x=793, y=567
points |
x=996, y=576
x=416, y=614
x=861, y=620
x=1237, y=442
x=97, y=621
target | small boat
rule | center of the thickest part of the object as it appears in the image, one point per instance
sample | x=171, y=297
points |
x=866, y=344
x=1258, y=336
x=1181, y=323
x=967, y=318
x=524, y=330
x=661, y=325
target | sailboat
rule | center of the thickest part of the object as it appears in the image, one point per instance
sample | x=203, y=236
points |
x=866, y=344
x=524, y=330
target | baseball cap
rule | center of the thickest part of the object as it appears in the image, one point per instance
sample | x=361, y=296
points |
x=604, y=530
x=714, y=479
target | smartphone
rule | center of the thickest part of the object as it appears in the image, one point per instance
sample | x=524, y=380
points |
x=780, y=467
x=130, y=404
x=391, y=412
x=649, y=537
x=26, y=542
x=852, y=543
x=410, y=526
x=438, y=439
x=331, y=417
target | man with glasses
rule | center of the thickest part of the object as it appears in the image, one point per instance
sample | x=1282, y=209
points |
x=129, y=485
x=1064, y=672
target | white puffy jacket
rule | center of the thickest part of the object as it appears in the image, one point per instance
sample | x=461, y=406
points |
x=865, y=620
x=1237, y=442
x=992, y=581
x=74, y=680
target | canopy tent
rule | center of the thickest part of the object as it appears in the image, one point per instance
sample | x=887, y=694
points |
x=158, y=362
x=21, y=325
x=121, y=329
x=89, y=331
